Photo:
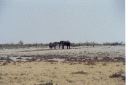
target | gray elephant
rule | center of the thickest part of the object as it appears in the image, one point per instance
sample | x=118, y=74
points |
x=53, y=45
x=64, y=43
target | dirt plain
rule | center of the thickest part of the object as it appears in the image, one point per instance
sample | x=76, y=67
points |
x=85, y=65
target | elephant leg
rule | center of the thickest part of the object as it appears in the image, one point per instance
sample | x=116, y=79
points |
x=62, y=46
x=50, y=47
x=59, y=46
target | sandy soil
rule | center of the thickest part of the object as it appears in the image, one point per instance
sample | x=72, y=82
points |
x=63, y=73
x=38, y=73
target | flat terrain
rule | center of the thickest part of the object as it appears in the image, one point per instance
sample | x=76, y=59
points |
x=97, y=51
x=37, y=73
x=63, y=67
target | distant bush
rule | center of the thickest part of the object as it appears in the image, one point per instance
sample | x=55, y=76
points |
x=85, y=44
x=98, y=44
x=21, y=44
x=113, y=43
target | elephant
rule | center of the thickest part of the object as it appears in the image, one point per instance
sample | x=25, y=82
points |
x=65, y=43
x=50, y=45
x=53, y=45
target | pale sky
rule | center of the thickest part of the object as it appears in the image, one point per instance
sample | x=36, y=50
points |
x=54, y=20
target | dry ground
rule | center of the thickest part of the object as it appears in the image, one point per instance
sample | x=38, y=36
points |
x=37, y=73
x=99, y=51
x=60, y=73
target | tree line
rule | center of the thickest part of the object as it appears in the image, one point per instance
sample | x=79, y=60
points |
x=21, y=44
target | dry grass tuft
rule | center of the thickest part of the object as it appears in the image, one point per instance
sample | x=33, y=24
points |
x=5, y=63
x=104, y=64
x=91, y=62
x=115, y=75
x=68, y=80
x=80, y=72
x=119, y=74
x=47, y=83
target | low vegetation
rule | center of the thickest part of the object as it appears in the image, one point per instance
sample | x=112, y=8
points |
x=21, y=44
x=81, y=65
x=45, y=73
